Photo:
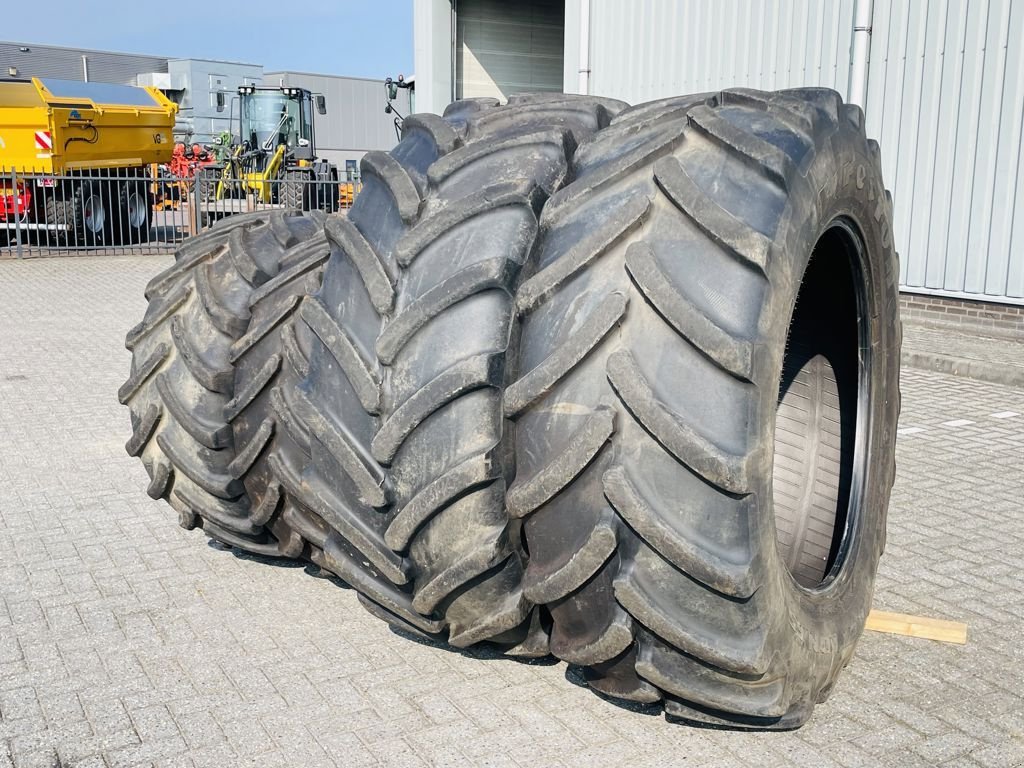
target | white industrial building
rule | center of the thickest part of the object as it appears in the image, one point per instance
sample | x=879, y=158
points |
x=941, y=84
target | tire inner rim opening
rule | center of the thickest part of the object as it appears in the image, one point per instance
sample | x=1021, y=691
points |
x=822, y=395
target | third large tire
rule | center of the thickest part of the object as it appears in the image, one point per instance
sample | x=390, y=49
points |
x=706, y=403
x=182, y=375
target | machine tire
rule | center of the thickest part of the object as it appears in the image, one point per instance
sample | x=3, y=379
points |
x=295, y=190
x=656, y=453
x=269, y=361
x=181, y=375
x=61, y=213
x=329, y=193
x=131, y=225
x=205, y=188
x=388, y=460
x=92, y=200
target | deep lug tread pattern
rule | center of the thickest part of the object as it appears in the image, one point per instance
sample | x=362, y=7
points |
x=373, y=270
x=476, y=278
x=717, y=223
x=690, y=448
x=360, y=372
x=156, y=315
x=501, y=195
x=182, y=377
x=761, y=155
x=417, y=274
x=216, y=379
x=542, y=285
x=396, y=178
x=733, y=355
x=526, y=494
x=680, y=491
x=540, y=380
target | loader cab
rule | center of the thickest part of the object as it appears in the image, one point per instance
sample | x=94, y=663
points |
x=272, y=117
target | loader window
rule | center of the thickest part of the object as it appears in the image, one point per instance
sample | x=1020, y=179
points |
x=270, y=118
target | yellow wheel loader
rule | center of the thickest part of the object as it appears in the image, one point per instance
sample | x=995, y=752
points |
x=274, y=158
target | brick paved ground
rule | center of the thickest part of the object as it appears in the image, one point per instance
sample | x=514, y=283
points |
x=125, y=640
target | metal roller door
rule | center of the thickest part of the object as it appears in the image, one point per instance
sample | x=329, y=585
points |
x=503, y=48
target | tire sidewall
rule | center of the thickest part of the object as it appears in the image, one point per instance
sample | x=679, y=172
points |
x=843, y=182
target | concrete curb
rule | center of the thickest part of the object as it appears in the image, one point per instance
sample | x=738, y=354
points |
x=980, y=370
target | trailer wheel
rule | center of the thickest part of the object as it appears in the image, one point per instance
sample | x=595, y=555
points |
x=135, y=209
x=93, y=213
x=60, y=217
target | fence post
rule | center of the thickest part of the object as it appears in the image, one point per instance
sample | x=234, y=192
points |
x=17, y=219
x=193, y=204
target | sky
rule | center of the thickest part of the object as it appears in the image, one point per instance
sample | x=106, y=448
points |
x=359, y=38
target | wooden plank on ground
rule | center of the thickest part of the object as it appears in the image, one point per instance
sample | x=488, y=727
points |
x=917, y=626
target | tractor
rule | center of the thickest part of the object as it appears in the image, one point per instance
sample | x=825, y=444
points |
x=273, y=155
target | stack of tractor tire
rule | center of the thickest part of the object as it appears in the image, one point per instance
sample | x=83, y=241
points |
x=617, y=384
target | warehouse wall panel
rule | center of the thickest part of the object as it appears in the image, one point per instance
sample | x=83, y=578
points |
x=946, y=102
x=649, y=49
x=66, y=63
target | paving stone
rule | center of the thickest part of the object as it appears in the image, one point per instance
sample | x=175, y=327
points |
x=126, y=641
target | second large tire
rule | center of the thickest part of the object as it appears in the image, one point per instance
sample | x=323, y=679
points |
x=388, y=455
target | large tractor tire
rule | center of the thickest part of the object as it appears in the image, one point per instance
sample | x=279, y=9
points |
x=181, y=375
x=387, y=453
x=705, y=399
x=269, y=361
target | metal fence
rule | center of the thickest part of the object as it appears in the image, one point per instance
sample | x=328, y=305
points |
x=140, y=211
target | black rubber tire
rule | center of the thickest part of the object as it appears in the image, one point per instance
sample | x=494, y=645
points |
x=270, y=361
x=205, y=185
x=653, y=338
x=390, y=459
x=123, y=232
x=65, y=208
x=60, y=213
x=182, y=377
x=96, y=193
x=294, y=190
x=330, y=193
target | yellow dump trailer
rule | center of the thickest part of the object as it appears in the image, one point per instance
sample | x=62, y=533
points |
x=73, y=157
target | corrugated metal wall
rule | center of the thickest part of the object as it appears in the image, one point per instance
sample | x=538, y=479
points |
x=355, y=121
x=946, y=101
x=66, y=63
x=648, y=49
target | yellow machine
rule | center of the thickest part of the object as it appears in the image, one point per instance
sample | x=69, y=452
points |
x=73, y=157
x=275, y=158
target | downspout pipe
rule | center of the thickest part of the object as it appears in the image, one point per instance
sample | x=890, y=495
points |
x=858, y=89
x=583, y=83
x=85, y=68
x=454, y=50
